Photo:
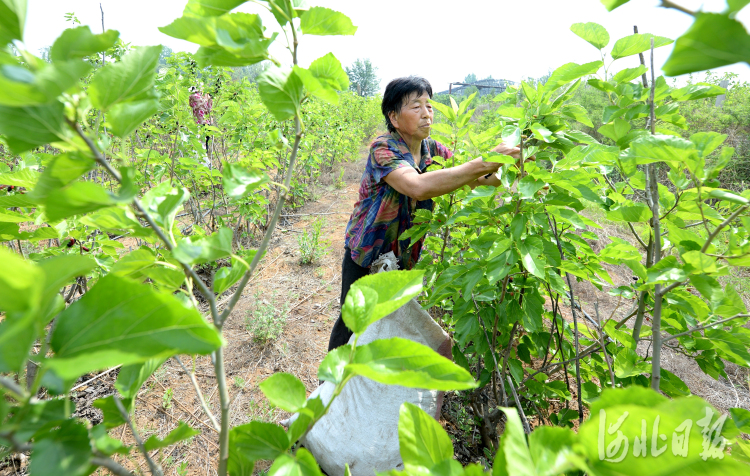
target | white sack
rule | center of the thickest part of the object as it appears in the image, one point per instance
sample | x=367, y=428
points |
x=361, y=427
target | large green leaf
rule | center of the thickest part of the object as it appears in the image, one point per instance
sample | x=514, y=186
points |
x=65, y=451
x=398, y=361
x=258, y=440
x=281, y=91
x=377, y=295
x=20, y=87
x=712, y=41
x=284, y=391
x=131, y=79
x=551, y=449
x=12, y=20
x=628, y=74
x=612, y=4
x=674, y=443
x=209, y=8
x=131, y=378
x=421, y=439
x=239, y=181
x=204, y=249
x=697, y=91
x=532, y=255
x=76, y=199
x=120, y=321
x=21, y=286
x=324, y=21
x=301, y=464
x=637, y=43
x=31, y=126
x=324, y=78
x=60, y=270
x=76, y=43
x=513, y=457
x=592, y=32
x=126, y=117
x=635, y=212
x=570, y=72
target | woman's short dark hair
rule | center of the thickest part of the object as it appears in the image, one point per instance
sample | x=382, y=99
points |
x=398, y=91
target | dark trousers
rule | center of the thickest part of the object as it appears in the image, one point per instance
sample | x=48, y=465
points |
x=350, y=272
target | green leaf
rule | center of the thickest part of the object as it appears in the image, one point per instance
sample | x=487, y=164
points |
x=131, y=79
x=182, y=432
x=60, y=270
x=239, y=181
x=637, y=43
x=515, y=452
x=421, y=439
x=21, y=289
x=672, y=385
x=577, y=113
x=541, y=133
x=593, y=33
x=28, y=127
x=629, y=364
x=281, y=91
x=636, y=212
x=511, y=135
x=120, y=321
x=284, y=391
x=20, y=87
x=532, y=255
x=388, y=292
x=570, y=72
x=529, y=185
x=713, y=40
x=629, y=74
x=612, y=4
x=741, y=419
x=105, y=444
x=112, y=416
x=324, y=78
x=324, y=21
x=258, y=440
x=209, y=8
x=302, y=464
x=12, y=20
x=398, y=361
x=77, y=198
x=126, y=117
x=193, y=250
x=226, y=277
x=551, y=449
x=76, y=43
x=64, y=451
x=697, y=91
x=131, y=378
x=697, y=262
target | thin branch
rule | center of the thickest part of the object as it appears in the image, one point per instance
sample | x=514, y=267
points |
x=200, y=395
x=674, y=6
x=720, y=227
x=13, y=387
x=111, y=465
x=707, y=326
x=155, y=468
x=525, y=422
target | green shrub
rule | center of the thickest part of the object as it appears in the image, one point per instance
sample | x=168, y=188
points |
x=266, y=322
x=311, y=247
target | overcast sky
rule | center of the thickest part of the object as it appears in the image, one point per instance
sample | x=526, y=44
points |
x=440, y=40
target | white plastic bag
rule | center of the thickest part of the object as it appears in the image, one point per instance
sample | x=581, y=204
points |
x=361, y=427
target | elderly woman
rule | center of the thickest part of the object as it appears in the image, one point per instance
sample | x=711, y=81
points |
x=397, y=182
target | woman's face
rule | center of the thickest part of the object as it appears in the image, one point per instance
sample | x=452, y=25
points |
x=415, y=117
